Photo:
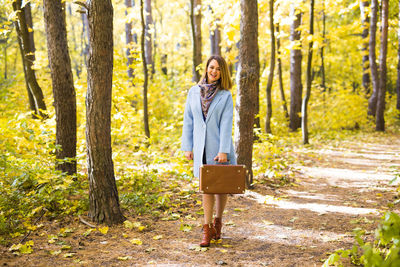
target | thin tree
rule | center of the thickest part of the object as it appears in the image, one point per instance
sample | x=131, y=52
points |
x=366, y=81
x=279, y=70
x=296, y=87
x=380, y=109
x=63, y=84
x=372, y=59
x=195, y=21
x=215, y=38
x=146, y=74
x=398, y=65
x=304, y=118
x=129, y=38
x=103, y=195
x=27, y=48
x=271, y=69
x=247, y=84
x=148, y=43
x=76, y=62
x=85, y=38
x=322, y=50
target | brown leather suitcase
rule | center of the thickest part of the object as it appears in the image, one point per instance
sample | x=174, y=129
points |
x=222, y=179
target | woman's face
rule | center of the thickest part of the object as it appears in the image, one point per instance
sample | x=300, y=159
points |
x=213, y=71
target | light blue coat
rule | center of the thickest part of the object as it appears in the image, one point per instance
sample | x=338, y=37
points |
x=215, y=133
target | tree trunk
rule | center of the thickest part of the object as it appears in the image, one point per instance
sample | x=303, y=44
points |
x=248, y=77
x=25, y=36
x=279, y=69
x=63, y=84
x=366, y=82
x=372, y=59
x=5, y=62
x=129, y=40
x=304, y=118
x=195, y=19
x=85, y=39
x=103, y=194
x=148, y=38
x=77, y=67
x=322, y=70
x=215, y=39
x=271, y=70
x=398, y=65
x=164, y=68
x=146, y=75
x=32, y=104
x=296, y=87
x=380, y=109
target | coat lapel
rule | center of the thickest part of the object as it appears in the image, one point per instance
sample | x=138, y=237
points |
x=214, y=103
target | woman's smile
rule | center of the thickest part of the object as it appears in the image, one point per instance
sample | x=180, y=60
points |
x=213, y=71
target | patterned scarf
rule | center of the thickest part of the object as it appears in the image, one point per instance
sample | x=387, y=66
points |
x=207, y=94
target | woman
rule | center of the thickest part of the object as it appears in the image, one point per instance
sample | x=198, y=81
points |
x=207, y=134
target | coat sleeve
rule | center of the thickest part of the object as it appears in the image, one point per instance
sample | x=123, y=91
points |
x=226, y=126
x=187, y=130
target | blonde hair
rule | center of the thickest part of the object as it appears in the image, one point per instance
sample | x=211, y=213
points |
x=225, y=79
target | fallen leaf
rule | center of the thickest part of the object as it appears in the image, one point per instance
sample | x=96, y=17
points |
x=148, y=250
x=88, y=232
x=157, y=237
x=136, y=241
x=55, y=252
x=185, y=228
x=124, y=258
x=267, y=222
x=103, y=230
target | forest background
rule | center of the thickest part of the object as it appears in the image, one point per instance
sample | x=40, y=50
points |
x=147, y=161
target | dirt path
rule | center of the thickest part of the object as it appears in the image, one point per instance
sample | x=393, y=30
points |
x=338, y=189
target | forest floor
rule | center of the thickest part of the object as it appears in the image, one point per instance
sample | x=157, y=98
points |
x=337, y=188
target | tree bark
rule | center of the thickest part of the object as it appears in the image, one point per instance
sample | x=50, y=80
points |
x=380, y=109
x=247, y=84
x=77, y=67
x=296, y=87
x=195, y=20
x=398, y=65
x=63, y=84
x=129, y=40
x=304, y=118
x=32, y=104
x=103, y=194
x=366, y=81
x=372, y=59
x=215, y=39
x=5, y=62
x=271, y=69
x=146, y=74
x=25, y=36
x=148, y=38
x=279, y=69
x=85, y=38
x=322, y=70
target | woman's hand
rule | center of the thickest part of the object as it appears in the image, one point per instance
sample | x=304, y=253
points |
x=189, y=155
x=221, y=158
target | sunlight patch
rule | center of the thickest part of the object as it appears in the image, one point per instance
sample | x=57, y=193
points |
x=289, y=236
x=315, y=207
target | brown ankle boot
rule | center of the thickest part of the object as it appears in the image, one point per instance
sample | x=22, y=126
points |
x=218, y=227
x=208, y=234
